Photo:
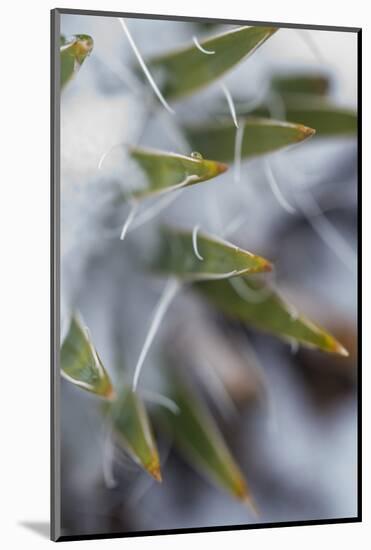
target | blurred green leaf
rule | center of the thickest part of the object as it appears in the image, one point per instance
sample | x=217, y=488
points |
x=263, y=308
x=261, y=135
x=81, y=365
x=133, y=431
x=200, y=442
x=184, y=71
x=327, y=119
x=161, y=171
x=301, y=83
x=73, y=54
x=179, y=253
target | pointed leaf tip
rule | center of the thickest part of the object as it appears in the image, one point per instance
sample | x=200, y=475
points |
x=73, y=54
x=339, y=349
x=155, y=470
x=111, y=394
x=200, y=441
x=198, y=256
x=305, y=132
x=133, y=431
x=260, y=136
x=81, y=364
x=250, y=504
x=162, y=171
x=311, y=111
x=266, y=265
x=221, y=167
x=265, y=309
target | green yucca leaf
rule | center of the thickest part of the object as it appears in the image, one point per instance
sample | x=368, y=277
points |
x=160, y=171
x=184, y=71
x=260, y=306
x=316, y=112
x=81, y=365
x=197, y=256
x=260, y=135
x=133, y=432
x=200, y=441
x=73, y=54
x=301, y=83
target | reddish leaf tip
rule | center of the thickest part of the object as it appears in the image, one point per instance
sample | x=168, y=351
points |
x=221, y=167
x=272, y=30
x=305, y=132
x=251, y=505
x=110, y=394
x=154, y=470
x=340, y=349
x=266, y=265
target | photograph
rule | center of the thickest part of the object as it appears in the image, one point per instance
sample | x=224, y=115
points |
x=205, y=297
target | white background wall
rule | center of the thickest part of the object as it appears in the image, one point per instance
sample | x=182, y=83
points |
x=24, y=218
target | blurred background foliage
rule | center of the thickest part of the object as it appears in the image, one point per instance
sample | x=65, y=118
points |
x=200, y=223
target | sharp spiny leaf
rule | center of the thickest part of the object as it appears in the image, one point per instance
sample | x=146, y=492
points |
x=73, y=54
x=186, y=70
x=327, y=119
x=261, y=135
x=193, y=257
x=156, y=171
x=133, y=432
x=269, y=313
x=200, y=441
x=81, y=365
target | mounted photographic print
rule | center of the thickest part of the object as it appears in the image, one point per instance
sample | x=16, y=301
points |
x=205, y=274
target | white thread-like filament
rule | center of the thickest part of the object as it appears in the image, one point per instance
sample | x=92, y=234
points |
x=291, y=310
x=214, y=276
x=230, y=103
x=155, y=209
x=194, y=242
x=122, y=73
x=199, y=47
x=217, y=390
x=167, y=296
x=234, y=225
x=183, y=183
x=238, y=152
x=325, y=230
x=276, y=190
x=169, y=194
x=144, y=66
x=160, y=399
x=294, y=345
x=308, y=39
x=129, y=220
x=76, y=382
x=108, y=152
x=248, y=294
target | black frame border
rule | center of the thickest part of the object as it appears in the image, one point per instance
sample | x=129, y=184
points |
x=55, y=527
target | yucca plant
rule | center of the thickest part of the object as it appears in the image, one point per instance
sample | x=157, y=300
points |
x=199, y=268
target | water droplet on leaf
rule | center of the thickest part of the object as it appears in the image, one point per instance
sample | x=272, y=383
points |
x=196, y=155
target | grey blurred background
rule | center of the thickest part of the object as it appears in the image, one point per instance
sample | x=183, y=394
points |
x=296, y=440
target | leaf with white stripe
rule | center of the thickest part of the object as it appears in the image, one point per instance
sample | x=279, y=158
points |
x=200, y=441
x=81, y=364
x=153, y=172
x=197, y=256
x=260, y=136
x=184, y=71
